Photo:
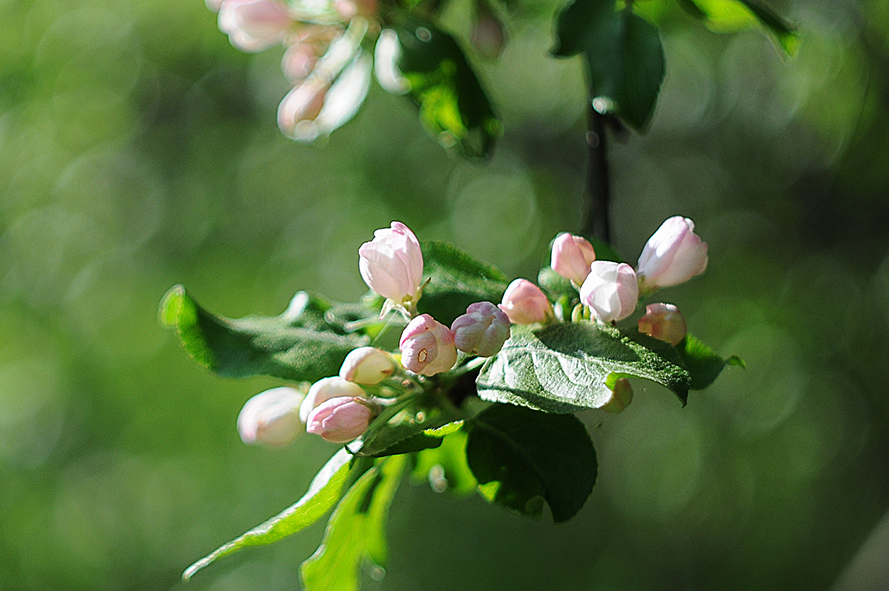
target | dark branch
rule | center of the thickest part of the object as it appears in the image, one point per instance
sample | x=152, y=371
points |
x=598, y=189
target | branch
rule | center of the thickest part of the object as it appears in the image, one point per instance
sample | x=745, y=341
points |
x=597, y=193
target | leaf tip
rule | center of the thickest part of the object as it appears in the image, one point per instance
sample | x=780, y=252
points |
x=171, y=305
x=736, y=361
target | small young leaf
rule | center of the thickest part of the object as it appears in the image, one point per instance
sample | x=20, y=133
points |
x=323, y=493
x=623, y=54
x=356, y=531
x=702, y=363
x=307, y=342
x=454, y=108
x=521, y=456
x=566, y=367
x=457, y=280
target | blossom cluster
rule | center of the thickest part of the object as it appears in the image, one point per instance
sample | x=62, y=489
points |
x=340, y=408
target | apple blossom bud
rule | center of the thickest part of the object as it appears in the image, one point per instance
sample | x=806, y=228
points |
x=663, y=322
x=427, y=346
x=525, y=303
x=482, y=330
x=621, y=396
x=487, y=34
x=271, y=418
x=340, y=420
x=387, y=55
x=392, y=264
x=325, y=389
x=571, y=257
x=610, y=290
x=254, y=25
x=367, y=365
x=672, y=255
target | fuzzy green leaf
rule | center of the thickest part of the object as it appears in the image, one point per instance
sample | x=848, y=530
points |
x=323, y=494
x=521, y=457
x=568, y=366
x=623, y=53
x=356, y=531
x=307, y=342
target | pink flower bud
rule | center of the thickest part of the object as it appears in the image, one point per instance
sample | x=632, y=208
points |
x=392, y=264
x=663, y=322
x=482, y=330
x=571, y=257
x=610, y=290
x=301, y=106
x=349, y=9
x=325, y=389
x=621, y=396
x=254, y=25
x=525, y=303
x=271, y=418
x=487, y=34
x=427, y=346
x=367, y=365
x=340, y=420
x=672, y=255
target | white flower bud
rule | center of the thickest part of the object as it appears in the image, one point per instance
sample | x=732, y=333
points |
x=271, y=418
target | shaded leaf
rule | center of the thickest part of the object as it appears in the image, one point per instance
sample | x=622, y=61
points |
x=521, y=457
x=356, y=531
x=566, y=367
x=703, y=364
x=307, y=342
x=445, y=467
x=323, y=493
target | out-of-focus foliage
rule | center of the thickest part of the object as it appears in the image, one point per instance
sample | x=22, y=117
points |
x=139, y=150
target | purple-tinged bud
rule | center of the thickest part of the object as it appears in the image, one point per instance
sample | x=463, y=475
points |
x=271, y=418
x=571, y=257
x=325, y=389
x=672, y=255
x=610, y=290
x=367, y=365
x=392, y=264
x=254, y=25
x=663, y=322
x=525, y=303
x=482, y=330
x=487, y=34
x=340, y=420
x=427, y=346
x=621, y=396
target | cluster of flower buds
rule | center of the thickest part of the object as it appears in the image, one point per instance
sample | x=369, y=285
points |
x=323, y=56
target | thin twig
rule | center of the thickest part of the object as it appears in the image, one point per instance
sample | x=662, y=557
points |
x=598, y=188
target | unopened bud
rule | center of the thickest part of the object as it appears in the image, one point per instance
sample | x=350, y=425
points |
x=392, y=263
x=254, y=25
x=482, y=330
x=340, y=420
x=663, y=322
x=367, y=365
x=621, y=396
x=325, y=389
x=525, y=303
x=271, y=418
x=672, y=255
x=427, y=346
x=571, y=257
x=610, y=290
x=487, y=34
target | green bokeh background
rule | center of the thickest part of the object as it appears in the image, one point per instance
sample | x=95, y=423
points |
x=138, y=149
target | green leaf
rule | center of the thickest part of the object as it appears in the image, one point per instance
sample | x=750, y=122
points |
x=784, y=33
x=456, y=281
x=735, y=15
x=454, y=108
x=307, y=342
x=521, y=457
x=445, y=467
x=356, y=531
x=566, y=367
x=323, y=493
x=702, y=363
x=623, y=54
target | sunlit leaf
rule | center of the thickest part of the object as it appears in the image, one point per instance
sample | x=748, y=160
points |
x=323, y=494
x=445, y=467
x=735, y=15
x=521, y=457
x=702, y=363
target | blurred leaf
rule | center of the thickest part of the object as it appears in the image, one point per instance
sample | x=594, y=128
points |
x=568, y=366
x=453, y=106
x=623, y=54
x=445, y=466
x=702, y=363
x=356, y=530
x=457, y=280
x=520, y=457
x=735, y=15
x=307, y=342
x=323, y=493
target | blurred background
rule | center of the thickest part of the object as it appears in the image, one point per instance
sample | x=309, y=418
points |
x=138, y=150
